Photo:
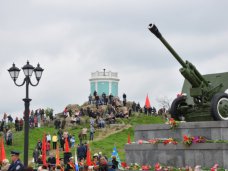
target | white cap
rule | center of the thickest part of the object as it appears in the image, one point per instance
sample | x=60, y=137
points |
x=90, y=167
x=95, y=154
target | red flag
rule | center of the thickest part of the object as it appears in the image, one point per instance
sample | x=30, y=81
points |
x=44, y=149
x=2, y=150
x=147, y=104
x=129, y=139
x=67, y=149
x=88, y=157
x=57, y=155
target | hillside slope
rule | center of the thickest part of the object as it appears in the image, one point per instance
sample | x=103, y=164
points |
x=104, y=139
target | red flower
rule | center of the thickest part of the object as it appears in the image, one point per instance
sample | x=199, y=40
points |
x=140, y=141
x=153, y=141
x=175, y=142
x=145, y=167
x=186, y=138
x=157, y=167
x=123, y=164
x=171, y=120
x=166, y=142
x=215, y=167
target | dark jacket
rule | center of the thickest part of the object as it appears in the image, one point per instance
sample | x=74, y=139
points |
x=16, y=166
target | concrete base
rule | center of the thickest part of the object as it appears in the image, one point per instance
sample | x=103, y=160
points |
x=180, y=155
x=213, y=130
x=205, y=154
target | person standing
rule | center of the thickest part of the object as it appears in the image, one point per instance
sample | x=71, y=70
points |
x=115, y=163
x=17, y=124
x=48, y=148
x=70, y=165
x=80, y=137
x=92, y=130
x=124, y=99
x=21, y=123
x=103, y=166
x=51, y=161
x=72, y=141
x=48, y=137
x=39, y=146
x=54, y=141
x=62, y=142
x=36, y=155
x=9, y=137
x=16, y=164
x=90, y=99
x=84, y=133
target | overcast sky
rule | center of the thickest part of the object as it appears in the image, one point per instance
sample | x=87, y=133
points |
x=70, y=39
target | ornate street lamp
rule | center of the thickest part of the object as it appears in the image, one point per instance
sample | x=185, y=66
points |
x=14, y=73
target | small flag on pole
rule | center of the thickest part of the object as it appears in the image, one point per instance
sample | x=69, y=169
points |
x=76, y=161
x=147, y=104
x=129, y=139
x=67, y=149
x=57, y=155
x=44, y=149
x=115, y=153
x=88, y=156
x=2, y=150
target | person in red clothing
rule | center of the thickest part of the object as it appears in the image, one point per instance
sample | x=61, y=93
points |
x=35, y=121
x=81, y=164
x=21, y=124
x=103, y=165
x=70, y=165
x=48, y=148
x=95, y=162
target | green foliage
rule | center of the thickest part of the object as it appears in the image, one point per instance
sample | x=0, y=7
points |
x=49, y=112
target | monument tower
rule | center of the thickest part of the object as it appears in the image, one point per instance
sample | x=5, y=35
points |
x=104, y=82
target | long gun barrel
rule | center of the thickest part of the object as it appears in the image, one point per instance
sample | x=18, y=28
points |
x=156, y=32
x=188, y=71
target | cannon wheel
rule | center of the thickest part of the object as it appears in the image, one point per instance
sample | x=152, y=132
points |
x=174, y=111
x=219, y=107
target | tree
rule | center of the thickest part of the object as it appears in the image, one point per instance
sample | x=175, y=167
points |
x=49, y=112
x=164, y=102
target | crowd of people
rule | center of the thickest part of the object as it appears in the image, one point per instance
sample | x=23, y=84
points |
x=99, y=118
x=61, y=141
x=97, y=162
x=8, y=124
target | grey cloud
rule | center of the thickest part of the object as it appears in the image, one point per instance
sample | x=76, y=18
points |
x=71, y=39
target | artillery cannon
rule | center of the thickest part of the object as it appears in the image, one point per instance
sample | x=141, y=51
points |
x=204, y=96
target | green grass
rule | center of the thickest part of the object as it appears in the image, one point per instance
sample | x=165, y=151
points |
x=120, y=139
x=34, y=136
x=105, y=145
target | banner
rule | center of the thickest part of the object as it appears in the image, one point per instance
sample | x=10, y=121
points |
x=115, y=153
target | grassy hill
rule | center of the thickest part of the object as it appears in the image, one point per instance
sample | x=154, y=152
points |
x=104, y=141
x=120, y=139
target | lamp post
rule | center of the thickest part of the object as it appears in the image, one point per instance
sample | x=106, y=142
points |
x=28, y=70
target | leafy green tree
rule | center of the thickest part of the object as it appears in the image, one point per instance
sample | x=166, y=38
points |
x=49, y=112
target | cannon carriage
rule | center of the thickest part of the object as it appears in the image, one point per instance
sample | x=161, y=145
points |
x=203, y=96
